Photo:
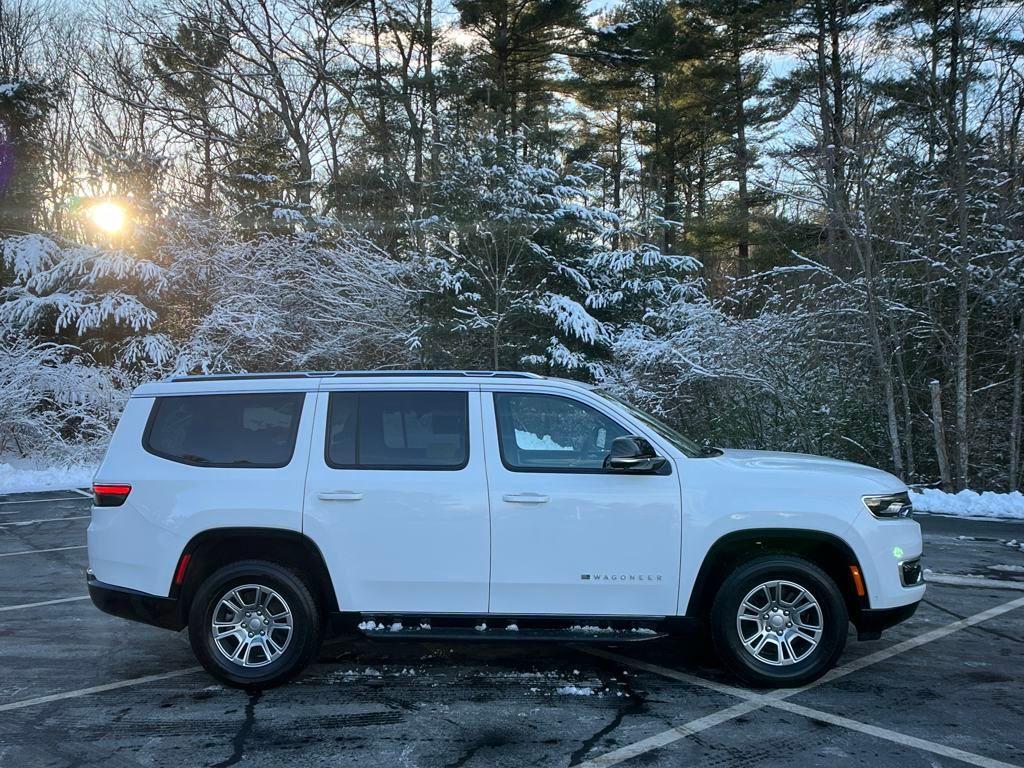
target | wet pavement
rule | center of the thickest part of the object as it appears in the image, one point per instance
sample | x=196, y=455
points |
x=79, y=688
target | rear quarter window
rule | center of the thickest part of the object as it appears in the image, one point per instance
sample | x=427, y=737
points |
x=245, y=430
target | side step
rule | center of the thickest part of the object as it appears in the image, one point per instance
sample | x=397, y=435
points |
x=506, y=633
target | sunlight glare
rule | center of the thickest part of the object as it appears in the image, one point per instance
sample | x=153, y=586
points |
x=108, y=217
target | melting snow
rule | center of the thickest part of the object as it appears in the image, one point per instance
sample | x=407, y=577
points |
x=1008, y=568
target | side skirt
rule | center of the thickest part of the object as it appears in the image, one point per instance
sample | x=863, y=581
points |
x=483, y=627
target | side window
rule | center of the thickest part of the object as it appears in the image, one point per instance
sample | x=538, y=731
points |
x=548, y=433
x=244, y=430
x=398, y=430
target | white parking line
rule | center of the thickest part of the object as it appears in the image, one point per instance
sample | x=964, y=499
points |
x=40, y=551
x=43, y=501
x=777, y=698
x=893, y=736
x=984, y=582
x=43, y=602
x=906, y=645
x=665, y=738
x=44, y=520
x=80, y=491
x=674, y=674
x=95, y=689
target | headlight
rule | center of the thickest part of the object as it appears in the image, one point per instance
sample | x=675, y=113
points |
x=889, y=506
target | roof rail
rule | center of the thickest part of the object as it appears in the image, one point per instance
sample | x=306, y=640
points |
x=352, y=374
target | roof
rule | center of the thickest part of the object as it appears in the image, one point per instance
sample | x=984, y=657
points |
x=312, y=381
x=357, y=374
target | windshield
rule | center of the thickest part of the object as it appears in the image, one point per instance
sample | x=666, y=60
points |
x=679, y=440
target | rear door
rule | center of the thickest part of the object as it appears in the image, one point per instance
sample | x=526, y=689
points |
x=567, y=536
x=396, y=498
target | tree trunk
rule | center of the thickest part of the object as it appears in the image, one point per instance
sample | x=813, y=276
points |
x=828, y=149
x=383, y=142
x=208, y=172
x=431, y=89
x=1015, y=409
x=742, y=196
x=958, y=137
x=617, y=172
x=940, y=436
x=862, y=245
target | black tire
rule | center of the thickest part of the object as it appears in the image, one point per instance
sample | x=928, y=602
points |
x=301, y=647
x=811, y=662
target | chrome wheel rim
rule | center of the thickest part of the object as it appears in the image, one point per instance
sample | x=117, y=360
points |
x=780, y=623
x=252, y=625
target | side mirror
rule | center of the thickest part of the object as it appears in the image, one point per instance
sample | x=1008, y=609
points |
x=632, y=453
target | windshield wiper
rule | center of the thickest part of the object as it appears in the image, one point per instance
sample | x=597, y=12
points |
x=707, y=451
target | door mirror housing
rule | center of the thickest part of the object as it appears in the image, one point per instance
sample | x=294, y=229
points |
x=632, y=453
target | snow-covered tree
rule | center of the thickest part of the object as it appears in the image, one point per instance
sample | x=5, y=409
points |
x=327, y=300
x=55, y=403
x=104, y=300
x=523, y=270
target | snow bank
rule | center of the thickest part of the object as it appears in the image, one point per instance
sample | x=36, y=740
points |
x=969, y=503
x=21, y=480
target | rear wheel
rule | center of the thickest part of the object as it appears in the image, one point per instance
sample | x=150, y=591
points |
x=254, y=624
x=779, y=621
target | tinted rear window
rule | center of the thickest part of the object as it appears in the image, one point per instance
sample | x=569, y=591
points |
x=246, y=430
x=398, y=430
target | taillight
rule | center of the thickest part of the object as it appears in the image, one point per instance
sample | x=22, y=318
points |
x=110, y=494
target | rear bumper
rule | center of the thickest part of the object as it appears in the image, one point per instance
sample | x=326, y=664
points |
x=871, y=621
x=136, y=606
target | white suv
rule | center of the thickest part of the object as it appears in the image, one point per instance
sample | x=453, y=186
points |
x=265, y=511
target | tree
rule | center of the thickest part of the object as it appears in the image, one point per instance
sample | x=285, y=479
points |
x=524, y=260
x=182, y=64
x=262, y=180
x=518, y=41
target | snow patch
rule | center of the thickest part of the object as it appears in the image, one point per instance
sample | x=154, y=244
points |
x=968, y=503
x=28, y=479
x=572, y=690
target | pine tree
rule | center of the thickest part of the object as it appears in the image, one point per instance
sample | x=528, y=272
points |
x=24, y=107
x=515, y=61
x=182, y=64
x=261, y=179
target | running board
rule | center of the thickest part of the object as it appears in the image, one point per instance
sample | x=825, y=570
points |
x=576, y=634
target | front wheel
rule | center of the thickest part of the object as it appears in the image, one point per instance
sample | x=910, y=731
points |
x=254, y=624
x=779, y=621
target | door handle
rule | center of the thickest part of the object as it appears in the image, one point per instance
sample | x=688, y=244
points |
x=526, y=498
x=339, y=496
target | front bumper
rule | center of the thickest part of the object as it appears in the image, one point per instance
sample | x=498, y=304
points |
x=136, y=606
x=871, y=621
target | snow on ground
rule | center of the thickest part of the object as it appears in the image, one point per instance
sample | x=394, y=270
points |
x=970, y=503
x=21, y=477
x=572, y=690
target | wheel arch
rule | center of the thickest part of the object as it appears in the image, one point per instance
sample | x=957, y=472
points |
x=826, y=550
x=209, y=550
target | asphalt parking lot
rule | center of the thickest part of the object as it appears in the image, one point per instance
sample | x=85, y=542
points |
x=79, y=688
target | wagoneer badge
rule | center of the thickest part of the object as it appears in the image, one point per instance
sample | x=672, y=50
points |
x=619, y=577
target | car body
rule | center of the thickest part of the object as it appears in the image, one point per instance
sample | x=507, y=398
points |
x=445, y=499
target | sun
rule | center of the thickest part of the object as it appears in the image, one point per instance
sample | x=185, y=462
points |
x=109, y=217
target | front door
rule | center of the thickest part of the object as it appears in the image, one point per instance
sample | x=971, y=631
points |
x=396, y=499
x=567, y=536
